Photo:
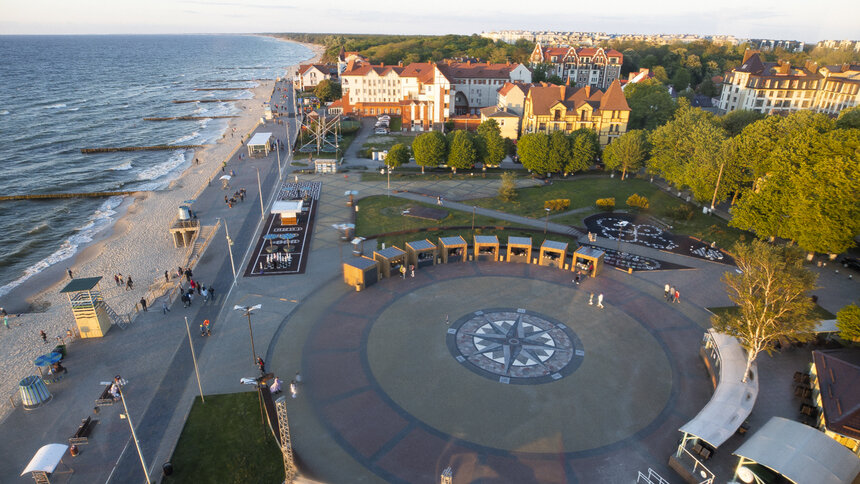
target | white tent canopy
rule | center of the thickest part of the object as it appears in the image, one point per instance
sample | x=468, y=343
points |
x=260, y=139
x=800, y=453
x=733, y=400
x=46, y=459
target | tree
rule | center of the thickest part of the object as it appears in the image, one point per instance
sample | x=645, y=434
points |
x=559, y=152
x=650, y=104
x=492, y=144
x=848, y=322
x=681, y=79
x=397, y=155
x=327, y=91
x=430, y=149
x=770, y=291
x=849, y=118
x=735, y=121
x=707, y=88
x=584, y=149
x=554, y=79
x=508, y=187
x=628, y=152
x=539, y=72
x=533, y=150
x=661, y=75
x=462, y=153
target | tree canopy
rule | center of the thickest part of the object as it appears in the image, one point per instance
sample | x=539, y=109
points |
x=533, y=150
x=397, y=155
x=462, y=153
x=770, y=290
x=327, y=90
x=849, y=119
x=490, y=142
x=430, y=149
x=584, y=150
x=627, y=153
x=848, y=322
x=650, y=104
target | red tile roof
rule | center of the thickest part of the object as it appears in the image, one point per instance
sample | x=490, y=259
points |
x=364, y=69
x=613, y=99
x=459, y=70
x=509, y=86
x=424, y=71
x=545, y=96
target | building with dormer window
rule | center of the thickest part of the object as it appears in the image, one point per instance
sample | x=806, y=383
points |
x=583, y=66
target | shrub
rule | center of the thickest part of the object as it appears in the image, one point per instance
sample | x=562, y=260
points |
x=508, y=187
x=607, y=204
x=637, y=201
x=680, y=212
x=557, y=205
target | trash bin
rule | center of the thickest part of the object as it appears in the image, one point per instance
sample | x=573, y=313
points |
x=167, y=469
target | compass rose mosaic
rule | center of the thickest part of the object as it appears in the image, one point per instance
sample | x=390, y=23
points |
x=515, y=346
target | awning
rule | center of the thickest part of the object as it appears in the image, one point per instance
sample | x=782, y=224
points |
x=260, y=139
x=800, y=453
x=732, y=401
x=288, y=207
x=46, y=459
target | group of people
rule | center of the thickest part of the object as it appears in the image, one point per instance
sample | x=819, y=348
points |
x=120, y=281
x=275, y=387
x=239, y=195
x=671, y=293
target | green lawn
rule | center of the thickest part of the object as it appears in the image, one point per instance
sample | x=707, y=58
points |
x=382, y=142
x=395, y=124
x=818, y=312
x=583, y=192
x=413, y=172
x=223, y=441
x=381, y=214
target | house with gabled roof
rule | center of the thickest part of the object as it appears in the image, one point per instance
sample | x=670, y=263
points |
x=580, y=66
x=550, y=108
x=309, y=76
x=835, y=380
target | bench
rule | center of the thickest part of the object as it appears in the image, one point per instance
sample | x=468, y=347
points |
x=105, y=398
x=81, y=435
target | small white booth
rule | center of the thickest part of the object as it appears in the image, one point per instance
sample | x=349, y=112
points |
x=288, y=210
x=260, y=144
x=45, y=462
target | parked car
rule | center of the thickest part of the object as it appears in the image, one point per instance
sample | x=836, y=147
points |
x=851, y=263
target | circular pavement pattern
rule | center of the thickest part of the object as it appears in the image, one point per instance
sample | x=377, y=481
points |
x=383, y=380
x=515, y=345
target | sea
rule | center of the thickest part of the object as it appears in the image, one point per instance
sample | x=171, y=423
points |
x=59, y=94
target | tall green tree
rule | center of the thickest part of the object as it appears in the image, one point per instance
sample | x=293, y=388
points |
x=849, y=118
x=397, y=155
x=559, y=152
x=770, y=290
x=681, y=79
x=508, y=187
x=848, y=322
x=430, y=149
x=627, y=153
x=584, y=150
x=650, y=104
x=533, y=150
x=492, y=144
x=735, y=121
x=327, y=90
x=462, y=153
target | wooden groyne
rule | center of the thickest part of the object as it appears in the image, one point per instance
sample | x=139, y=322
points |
x=141, y=148
x=188, y=118
x=235, y=80
x=184, y=101
x=222, y=88
x=49, y=196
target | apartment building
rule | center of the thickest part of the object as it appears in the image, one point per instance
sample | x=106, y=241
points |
x=310, y=75
x=584, y=66
x=839, y=88
x=550, y=108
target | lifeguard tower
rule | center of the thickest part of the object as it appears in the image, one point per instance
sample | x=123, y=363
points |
x=92, y=314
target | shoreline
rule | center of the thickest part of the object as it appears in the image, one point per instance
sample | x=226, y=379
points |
x=136, y=236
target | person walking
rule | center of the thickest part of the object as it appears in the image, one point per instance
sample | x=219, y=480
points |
x=211, y=292
x=204, y=328
x=600, y=300
x=116, y=279
x=205, y=294
x=293, y=390
x=6, y=320
x=164, y=308
x=666, y=291
x=298, y=378
x=166, y=277
x=129, y=285
x=591, y=299
x=199, y=289
x=677, y=298
x=70, y=273
x=262, y=365
x=412, y=270
x=403, y=271
x=671, y=294
x=143, y=303
x=43, y=335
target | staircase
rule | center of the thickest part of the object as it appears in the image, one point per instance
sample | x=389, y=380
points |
x=204, y=236
x=121, y=321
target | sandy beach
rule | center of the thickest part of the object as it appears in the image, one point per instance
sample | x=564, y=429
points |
x=138, y=237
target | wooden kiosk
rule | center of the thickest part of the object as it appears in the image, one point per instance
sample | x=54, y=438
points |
x=453, y=249
x=92, y=314
x=361, y=272
x=553, y=253
x=421, y=253
x=390, y=259
x=486, y=248
x=588, y=259
x=520, y=249
x=288, y=211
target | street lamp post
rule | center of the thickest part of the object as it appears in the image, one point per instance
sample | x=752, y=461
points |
x=260, y=188
x=278, y=152
x=621, y=226
x=546, y=224
x=473, y=217
x=230, y=249
x=119, y=383
x=194, y=358
x=248, y=310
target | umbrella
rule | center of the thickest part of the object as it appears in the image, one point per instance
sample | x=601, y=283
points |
x=270, y=238
x=225, y=177
x=189, y=202
x=48, y=359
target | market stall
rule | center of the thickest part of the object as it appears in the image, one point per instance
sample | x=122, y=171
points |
x=260, y=144
x=486, y=248
x=453, y=249
x=520, y=249
x=288, y=211
x=390, y=260
x=553, y=253
x=421, y=253
x=588, y=260
x=360, y=272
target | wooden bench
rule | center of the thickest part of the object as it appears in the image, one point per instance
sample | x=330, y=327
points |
x=81, y=435
x=105, y=398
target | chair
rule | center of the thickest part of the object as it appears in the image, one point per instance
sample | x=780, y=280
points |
x=798, y=376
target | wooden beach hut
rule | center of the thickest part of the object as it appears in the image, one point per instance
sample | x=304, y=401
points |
x=421, y=253
x=92, y=314
x=288, y=211
x=453, y=249
x=486, y=248
x=360, y=272
x=588, y=260
x=390, y=260
x=520, y=249
x=553, y=253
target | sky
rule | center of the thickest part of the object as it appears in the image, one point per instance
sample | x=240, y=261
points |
x=784, y=19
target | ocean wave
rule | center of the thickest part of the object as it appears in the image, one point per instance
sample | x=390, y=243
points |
x=122, y=166
x=55, y=106
x=97, y=222
x=4, y=112
x=176, y=159
x=39, y=228
x=73, y=109
x=187, y=137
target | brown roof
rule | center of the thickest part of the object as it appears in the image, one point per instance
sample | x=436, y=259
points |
x=545, y=96
x=613, y=99
x=555, y=51
x=509, y=86
x=337, y=103
x=422, y=70
x=324, y=68
x=839, y=382
x=364, y=69
x=454, y=70
x=755, y=66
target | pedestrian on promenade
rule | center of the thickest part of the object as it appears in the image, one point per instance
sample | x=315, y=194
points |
x=211, y=292
x=293, y=389
x=164, y=308
x=298, y=378
x=192, y=284
x=190, y=295
x=677, y=296
x=6, y=320
x=403, y=271
x=671, y=294
x=205, y=294
x=576, y=279
x=184, y=298
x=591, y=299
x=143, y=304
x=129, y=285
x=188, y=274
x=262, y=365
x=204, y=328
x=179, y=272
x=43, y=335
x=412, y=270
x=666, y=291
x=600, y=300
x=166, y=277
x=116, y=279
x=70, y=273
x=199, y=289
